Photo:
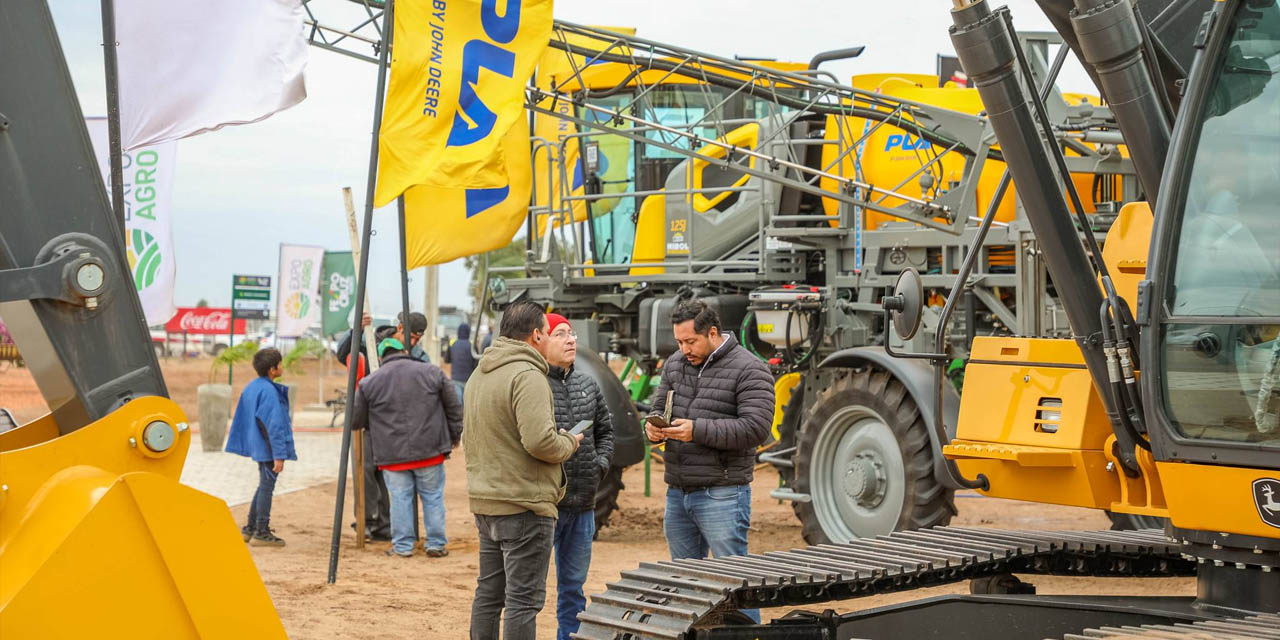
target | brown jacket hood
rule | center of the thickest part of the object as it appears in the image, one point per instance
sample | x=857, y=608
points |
x=512, y=446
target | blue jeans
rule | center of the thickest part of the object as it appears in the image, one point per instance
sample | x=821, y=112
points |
x=260, y=508
x=573, y=555
x=711, y=518
x=429, y=483
x=459, y=386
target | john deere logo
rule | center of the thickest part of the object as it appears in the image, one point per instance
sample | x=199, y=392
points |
x=297, y=305
x=144, y=258
x=1266, y=495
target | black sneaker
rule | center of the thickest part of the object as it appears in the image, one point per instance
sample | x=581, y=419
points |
x=266, y=539
x=437, y=553
x=246, y=533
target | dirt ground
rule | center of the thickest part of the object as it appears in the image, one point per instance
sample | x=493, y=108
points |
x=377, y=597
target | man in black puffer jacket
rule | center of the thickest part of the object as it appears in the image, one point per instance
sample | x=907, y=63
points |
x=576, y=397
x=722, y=410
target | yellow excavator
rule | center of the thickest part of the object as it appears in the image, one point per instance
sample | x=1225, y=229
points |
x=1162, y=402
x=97, y=537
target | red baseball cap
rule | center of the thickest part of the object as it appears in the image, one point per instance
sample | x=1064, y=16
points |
x=555, y=320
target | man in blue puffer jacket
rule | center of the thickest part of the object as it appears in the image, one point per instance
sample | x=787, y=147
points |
x=261, y=430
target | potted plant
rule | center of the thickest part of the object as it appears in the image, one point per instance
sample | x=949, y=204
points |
x=214, y=399
x=303, y=349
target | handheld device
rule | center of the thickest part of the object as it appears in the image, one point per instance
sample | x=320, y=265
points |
x=580, y=427
x=657, y=420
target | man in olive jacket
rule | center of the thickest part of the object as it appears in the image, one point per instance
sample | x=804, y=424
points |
x=514, y=477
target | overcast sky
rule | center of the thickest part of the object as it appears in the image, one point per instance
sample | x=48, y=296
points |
x=242, y=191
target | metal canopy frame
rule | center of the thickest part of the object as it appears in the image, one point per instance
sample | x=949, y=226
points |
x=358, y=29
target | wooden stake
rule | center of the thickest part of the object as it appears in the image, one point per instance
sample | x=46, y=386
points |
x=357, y=444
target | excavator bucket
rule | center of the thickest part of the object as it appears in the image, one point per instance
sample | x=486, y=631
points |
x=95, y=521
x=97, y=537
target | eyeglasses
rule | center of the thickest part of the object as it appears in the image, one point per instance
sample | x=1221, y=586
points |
x=564, y=335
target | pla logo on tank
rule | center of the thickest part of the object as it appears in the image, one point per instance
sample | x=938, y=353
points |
x=1266, y=495
x=144, y=258
x=905, y=142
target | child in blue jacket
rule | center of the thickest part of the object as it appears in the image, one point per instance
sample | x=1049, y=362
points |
x=261, y=430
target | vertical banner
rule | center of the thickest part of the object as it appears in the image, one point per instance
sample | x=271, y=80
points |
x=298, y=297
x=458, y=74
x=148, y=190
x=339, y=287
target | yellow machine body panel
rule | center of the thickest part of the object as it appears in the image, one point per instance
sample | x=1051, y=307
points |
x=890, y=155
x=1037, y=429
x=152, y=558
x=1125, y=251
x=650, y=236
x=745, y=136
x=1220, y=499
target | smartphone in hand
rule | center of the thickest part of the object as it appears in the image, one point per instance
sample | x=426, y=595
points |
x=580, y=427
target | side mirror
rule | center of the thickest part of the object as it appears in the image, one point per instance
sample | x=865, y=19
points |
x=906, y=304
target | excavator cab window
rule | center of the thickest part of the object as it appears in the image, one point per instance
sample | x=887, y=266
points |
x=1221, y=334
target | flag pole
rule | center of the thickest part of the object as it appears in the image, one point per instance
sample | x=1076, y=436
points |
x=404, y=322
x=361, y=289
x=115, y=151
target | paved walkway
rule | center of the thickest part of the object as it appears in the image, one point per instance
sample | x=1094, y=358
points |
x=235, y=478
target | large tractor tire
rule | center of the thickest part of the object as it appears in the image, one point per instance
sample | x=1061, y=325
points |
x=607, y=497
x=864, y=458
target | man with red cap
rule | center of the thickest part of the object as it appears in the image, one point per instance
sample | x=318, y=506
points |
x=576, y=398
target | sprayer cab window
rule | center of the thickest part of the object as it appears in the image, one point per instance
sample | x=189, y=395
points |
x=1222, y=378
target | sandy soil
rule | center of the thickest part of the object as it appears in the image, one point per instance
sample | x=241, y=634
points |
x=377, y=597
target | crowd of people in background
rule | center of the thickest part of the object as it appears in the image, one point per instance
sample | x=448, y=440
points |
x=538, y=436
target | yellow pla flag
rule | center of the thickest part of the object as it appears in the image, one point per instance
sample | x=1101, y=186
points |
x=458, y=74
x=446, y=223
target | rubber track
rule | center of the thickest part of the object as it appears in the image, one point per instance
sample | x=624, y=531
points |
x=667, y=599
x=1263, y=627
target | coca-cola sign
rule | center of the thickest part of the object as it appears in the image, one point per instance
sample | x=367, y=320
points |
x=203, y=320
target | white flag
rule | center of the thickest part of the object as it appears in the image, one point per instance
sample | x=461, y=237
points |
x=148, y=189
x=191, y=66
x=298, y=298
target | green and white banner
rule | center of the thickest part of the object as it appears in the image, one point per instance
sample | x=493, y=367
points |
x=148, y=189
x=298, y=298
x=339, y=287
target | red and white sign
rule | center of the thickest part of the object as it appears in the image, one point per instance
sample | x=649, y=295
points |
x=204, y=320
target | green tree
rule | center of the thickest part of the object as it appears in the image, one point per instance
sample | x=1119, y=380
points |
x=304, y=348
x=202, y=304
x=232, y=356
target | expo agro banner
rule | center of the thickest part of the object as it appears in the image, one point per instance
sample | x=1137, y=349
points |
x=148, y=187
x=298, y=298
x=339, y=287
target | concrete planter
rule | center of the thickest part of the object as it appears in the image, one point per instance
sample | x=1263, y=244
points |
x=214, y=401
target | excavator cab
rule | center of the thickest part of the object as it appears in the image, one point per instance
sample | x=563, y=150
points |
x=1217, y=269
x=97, y=536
